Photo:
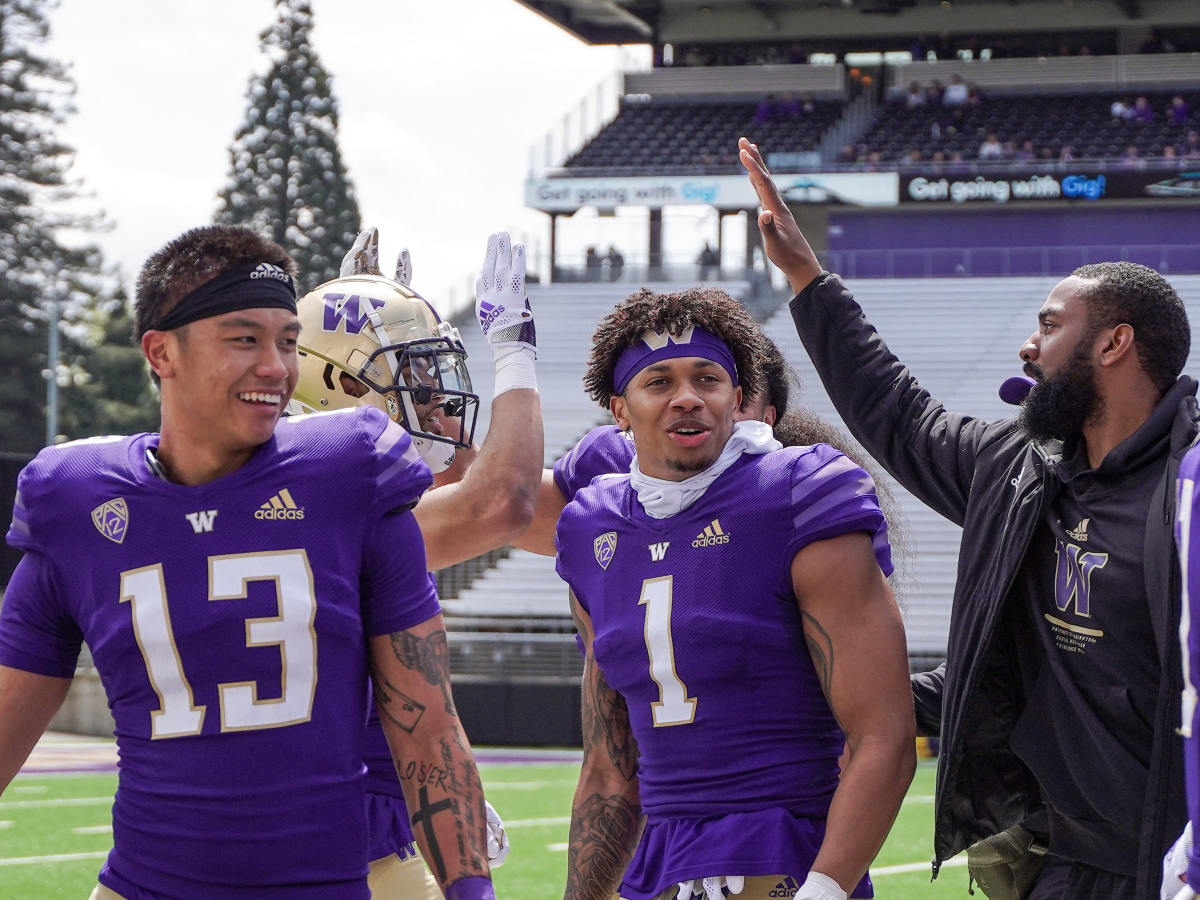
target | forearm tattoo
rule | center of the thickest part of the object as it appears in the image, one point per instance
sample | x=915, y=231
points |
x=606, y=722
x=429, y=656
x=393, y=703
x=603, y=832
x=449, y=795
x=820, y=648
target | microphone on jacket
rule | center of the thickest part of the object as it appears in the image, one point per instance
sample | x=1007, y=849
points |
x=1014, y=390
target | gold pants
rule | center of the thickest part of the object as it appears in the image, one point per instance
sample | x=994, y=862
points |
x=393, y=878
x=390, y=878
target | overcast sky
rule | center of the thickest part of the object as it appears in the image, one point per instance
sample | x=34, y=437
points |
x=441, y=102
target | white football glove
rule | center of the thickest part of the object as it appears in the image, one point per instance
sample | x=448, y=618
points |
x=1174, y=866
x=820, y=887
x=710, y=888
x=497, y=838
x=363, y=259
x=504, y=314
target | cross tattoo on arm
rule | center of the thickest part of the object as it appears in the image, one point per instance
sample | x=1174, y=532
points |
x=423, y=818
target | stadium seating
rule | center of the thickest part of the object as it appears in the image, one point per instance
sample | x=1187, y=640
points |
x=1079, y=120
x=673, y=137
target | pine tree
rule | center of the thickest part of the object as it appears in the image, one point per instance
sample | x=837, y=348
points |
x=37, y=268
x=287, y=179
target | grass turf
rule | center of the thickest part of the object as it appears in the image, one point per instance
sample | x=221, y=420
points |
x=54, y=833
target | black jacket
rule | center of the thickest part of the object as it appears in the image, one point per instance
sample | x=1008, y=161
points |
x=989, y=478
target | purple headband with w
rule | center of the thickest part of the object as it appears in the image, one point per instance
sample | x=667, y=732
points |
x=654, y=347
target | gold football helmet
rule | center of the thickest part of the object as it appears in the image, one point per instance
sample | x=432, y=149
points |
x=368, y=340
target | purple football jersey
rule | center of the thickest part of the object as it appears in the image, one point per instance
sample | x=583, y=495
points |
x=228, y=624
x=602, y=451
x=1188, y=541
x=697, y=626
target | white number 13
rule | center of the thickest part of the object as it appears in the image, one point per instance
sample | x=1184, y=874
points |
x=292, y=631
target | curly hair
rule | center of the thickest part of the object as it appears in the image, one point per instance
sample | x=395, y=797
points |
x=196, y=256
x=778, y=378
x=1125, y=292
x=709, y=308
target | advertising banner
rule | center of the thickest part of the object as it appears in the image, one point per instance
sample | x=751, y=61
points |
x=1084, y=184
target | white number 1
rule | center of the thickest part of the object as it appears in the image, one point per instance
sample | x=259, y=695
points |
x=292, y=631
x=674, y=706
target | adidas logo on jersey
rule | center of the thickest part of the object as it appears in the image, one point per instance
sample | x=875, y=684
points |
x=266, y=270
x=711, y=536
x=281, y=506
x=785, y=888
x=1079, y=533
x=202, y=520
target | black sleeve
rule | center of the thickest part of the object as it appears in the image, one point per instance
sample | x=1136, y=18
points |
x=927, y=700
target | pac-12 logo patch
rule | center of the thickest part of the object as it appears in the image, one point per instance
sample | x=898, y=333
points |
x=111, y=519
x=605, y=547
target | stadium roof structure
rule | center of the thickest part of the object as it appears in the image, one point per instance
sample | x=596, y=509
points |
x=677, y=21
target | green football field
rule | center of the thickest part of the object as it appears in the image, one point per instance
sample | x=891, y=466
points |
x=55, y=831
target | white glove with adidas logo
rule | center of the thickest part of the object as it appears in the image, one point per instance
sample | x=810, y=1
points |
x=820, y=887
x=497, y=838
x=363, y=259
x=710, y=888
x=504, y=314
x=1174, y=867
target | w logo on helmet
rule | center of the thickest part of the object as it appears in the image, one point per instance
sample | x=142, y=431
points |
x=352, y=310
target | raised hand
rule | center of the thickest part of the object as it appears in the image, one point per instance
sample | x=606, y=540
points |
x=363, y=256
x=786, y=246
x=500, y=302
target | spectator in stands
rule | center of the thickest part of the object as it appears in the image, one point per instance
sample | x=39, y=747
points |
x=847, y=154
x=1191, y=145
x=916, y=96
x=1046, y=155
x=1143, y=112
x=593, y=263
x=797, y=55
x=974, y=95
x=789, y=106
x=956, y=91
x=957, y=164
x=1026, y=152
x=991, y=148
x=919, y=49
x=766, y=110
x=937, y=160
x=708, y=260
x=911, y=157
x=1066, y=153
x=1121, y=109
x=936, y=89
x=616, y=262
x=669, y=761
x=1131, y=158
x=1030, y=718
x=1179, y=111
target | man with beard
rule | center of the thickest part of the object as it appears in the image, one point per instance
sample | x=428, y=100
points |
x=1061, y=689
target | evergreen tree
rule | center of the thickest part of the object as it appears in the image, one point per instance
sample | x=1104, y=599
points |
x=287, y=179
x=37, y=269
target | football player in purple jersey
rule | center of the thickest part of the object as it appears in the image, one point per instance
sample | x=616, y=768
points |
x=373, y=341
x=738, y=628
x=236, y=577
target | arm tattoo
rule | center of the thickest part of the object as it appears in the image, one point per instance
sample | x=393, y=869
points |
x=603, y=832
x=606, y=722
x=449, y=795
x=392, y=702
x=820, y=648
x=429, y=656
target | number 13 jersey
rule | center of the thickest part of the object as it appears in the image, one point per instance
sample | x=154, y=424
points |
x=228, y=622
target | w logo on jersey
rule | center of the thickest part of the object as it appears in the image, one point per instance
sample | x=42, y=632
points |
x=353, y=311
x=1073, y=577
x=605, y=547
x=111, y=519
x=658, y=552
x=202, y=521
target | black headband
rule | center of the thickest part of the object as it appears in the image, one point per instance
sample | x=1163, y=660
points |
x=251, y=286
